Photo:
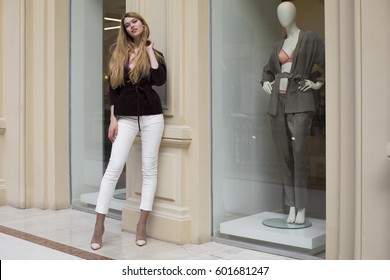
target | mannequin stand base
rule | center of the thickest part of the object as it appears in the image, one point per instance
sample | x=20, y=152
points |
x=281, y=223
x=120, y=196
x=310, y=239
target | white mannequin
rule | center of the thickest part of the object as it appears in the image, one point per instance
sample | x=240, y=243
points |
x=286, y=14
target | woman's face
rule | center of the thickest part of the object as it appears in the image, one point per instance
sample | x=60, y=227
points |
x=134, y=27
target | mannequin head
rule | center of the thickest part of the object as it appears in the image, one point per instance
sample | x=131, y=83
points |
x=286, y=13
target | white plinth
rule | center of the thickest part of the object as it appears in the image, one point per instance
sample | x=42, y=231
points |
x=311, y=238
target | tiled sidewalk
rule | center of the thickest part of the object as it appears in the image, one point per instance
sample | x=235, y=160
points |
x=66, y=234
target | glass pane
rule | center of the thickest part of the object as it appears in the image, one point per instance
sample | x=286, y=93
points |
x=90, y=148
x=247, y=185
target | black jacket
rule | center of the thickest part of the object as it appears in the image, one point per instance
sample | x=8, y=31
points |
x=139, y=99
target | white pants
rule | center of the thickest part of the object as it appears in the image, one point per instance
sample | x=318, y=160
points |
x=152, y=128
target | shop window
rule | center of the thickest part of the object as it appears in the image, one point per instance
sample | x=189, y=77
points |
x=248, y=192
x=94, y=27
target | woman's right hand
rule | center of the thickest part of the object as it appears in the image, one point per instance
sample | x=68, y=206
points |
x=113, y=129
x=267, y=86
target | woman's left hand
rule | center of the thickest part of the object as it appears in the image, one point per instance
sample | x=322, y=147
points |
x=150, y=52
x=149, y=44
x=309, y=84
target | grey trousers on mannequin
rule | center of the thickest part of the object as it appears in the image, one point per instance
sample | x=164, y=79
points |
x=291, y=133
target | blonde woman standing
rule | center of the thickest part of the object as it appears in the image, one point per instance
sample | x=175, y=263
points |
x=135, y=66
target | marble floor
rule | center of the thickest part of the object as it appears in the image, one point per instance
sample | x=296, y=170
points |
x=34, y=234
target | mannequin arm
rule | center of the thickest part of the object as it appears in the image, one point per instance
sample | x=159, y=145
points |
x=309, y=84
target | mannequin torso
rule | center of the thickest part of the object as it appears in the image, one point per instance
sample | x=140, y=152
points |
x=286, y=14
x=289, y=48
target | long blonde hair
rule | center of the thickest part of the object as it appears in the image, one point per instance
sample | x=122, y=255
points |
x=124, y=46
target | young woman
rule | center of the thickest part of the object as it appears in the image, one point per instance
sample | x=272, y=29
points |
x=135, y=66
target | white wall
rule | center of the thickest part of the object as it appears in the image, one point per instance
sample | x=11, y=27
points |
x=375, y=129
x=13, y=97
x=35, y=95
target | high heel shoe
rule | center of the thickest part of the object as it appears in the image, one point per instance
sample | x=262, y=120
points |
x=140, y=242
x=96, y=245
x=140, y=238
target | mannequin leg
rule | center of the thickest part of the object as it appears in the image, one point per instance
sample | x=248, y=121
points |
x=97, y=238
x=300, y=126
x=297, y=218
x=300, y=219
x=140, y=238
x=283, y=144
x=291, y=216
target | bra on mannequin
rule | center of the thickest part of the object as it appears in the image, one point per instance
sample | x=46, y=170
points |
x=284, y=57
